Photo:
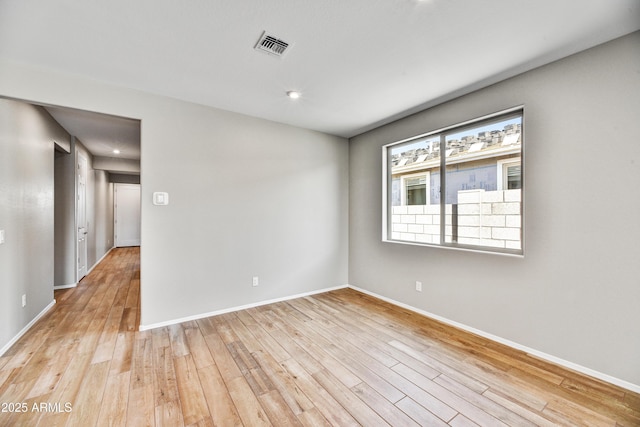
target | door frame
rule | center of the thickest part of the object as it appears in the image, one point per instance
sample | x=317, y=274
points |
x=117, y=186
x=82, y=230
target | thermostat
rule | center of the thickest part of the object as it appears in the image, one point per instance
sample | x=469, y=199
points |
x=160, y=199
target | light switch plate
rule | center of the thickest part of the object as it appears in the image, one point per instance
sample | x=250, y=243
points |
x=160, y=198
x=1, y=237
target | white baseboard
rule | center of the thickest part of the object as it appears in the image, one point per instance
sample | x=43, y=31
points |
x=548, y=357
x=73, y=285
x=26, y=328
x=232, y=309
x=58, y=287
x=100, y=260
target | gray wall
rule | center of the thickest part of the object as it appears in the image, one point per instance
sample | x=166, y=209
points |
x=248, y=197
x=103, y=216
x=99, y=208
x=118, y=178
x=124, y=166
x=99, y=214
x=575, y=294
x=26, y=213
x=65, y=217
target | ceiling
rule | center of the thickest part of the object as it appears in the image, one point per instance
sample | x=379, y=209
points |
x=358, y=64
x=101, y=133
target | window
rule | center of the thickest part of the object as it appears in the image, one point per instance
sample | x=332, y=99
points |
x=509, y=174
x=475, y=204
x=415, y=189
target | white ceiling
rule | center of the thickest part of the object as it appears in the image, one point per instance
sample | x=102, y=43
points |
x=100, y=133
x=357, y=63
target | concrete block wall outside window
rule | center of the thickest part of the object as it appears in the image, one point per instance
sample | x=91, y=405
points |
x=485, y=218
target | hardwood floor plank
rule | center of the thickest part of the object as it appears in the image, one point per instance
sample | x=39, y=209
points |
x=179, y=344
x=206, y=422
x=292, y=346
x=86, y=407
x=221, y=406
x=439, y=366
x=462, y=421
x=194, y=405
x=113, y=410
x=67, y=390
x=277, y=409
x=337, y=358
x=458, y=404
x=388, y=411
x=52, y=373
x=481, y=402
x=122, y=354
x=223, y=359
x=249, y=408
x=321, y=398
x=267, y=342
x=313, y=418
x=563, y=412
x=206, y=326
x=361, y=371
x=142, y=362
x=364, y=414
x=198, y=348
x=533, y=416
x=109, y=336
x=317, y=347
x=284, y=383
x=501, y=382
x=22, y=352
x=420, y=414
x=169, y=414
x=165, y=382
x=140, y=408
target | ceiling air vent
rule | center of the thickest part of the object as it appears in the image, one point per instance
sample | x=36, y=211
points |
x=272, y=45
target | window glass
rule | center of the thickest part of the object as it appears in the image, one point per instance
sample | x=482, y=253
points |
x=514, y=178
x=416, y=189
x=480, y=194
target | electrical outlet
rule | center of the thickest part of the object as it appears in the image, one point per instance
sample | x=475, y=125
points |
x=24, y=300
x=256, y=281
x=418, y=286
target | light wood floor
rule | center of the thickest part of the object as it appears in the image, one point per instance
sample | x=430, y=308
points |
x=339, y=358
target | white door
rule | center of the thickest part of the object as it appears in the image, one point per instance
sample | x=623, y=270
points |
x=127, y=214
x=81, y=208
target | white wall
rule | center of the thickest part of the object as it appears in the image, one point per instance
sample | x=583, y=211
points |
x=26, y=214
x=249, y=197
x=575, y=295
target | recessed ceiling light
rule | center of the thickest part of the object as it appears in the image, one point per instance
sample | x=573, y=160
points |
x=293, y=94
x=116, y=151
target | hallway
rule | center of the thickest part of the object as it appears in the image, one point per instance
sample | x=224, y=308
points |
x=62, y=363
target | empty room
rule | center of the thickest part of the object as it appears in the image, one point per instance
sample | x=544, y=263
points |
x=368, y=212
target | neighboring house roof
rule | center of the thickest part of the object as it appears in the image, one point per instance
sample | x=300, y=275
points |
x=484, y=145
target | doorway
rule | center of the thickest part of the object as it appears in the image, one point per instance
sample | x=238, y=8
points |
x=127, y=214
x=82, y=217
